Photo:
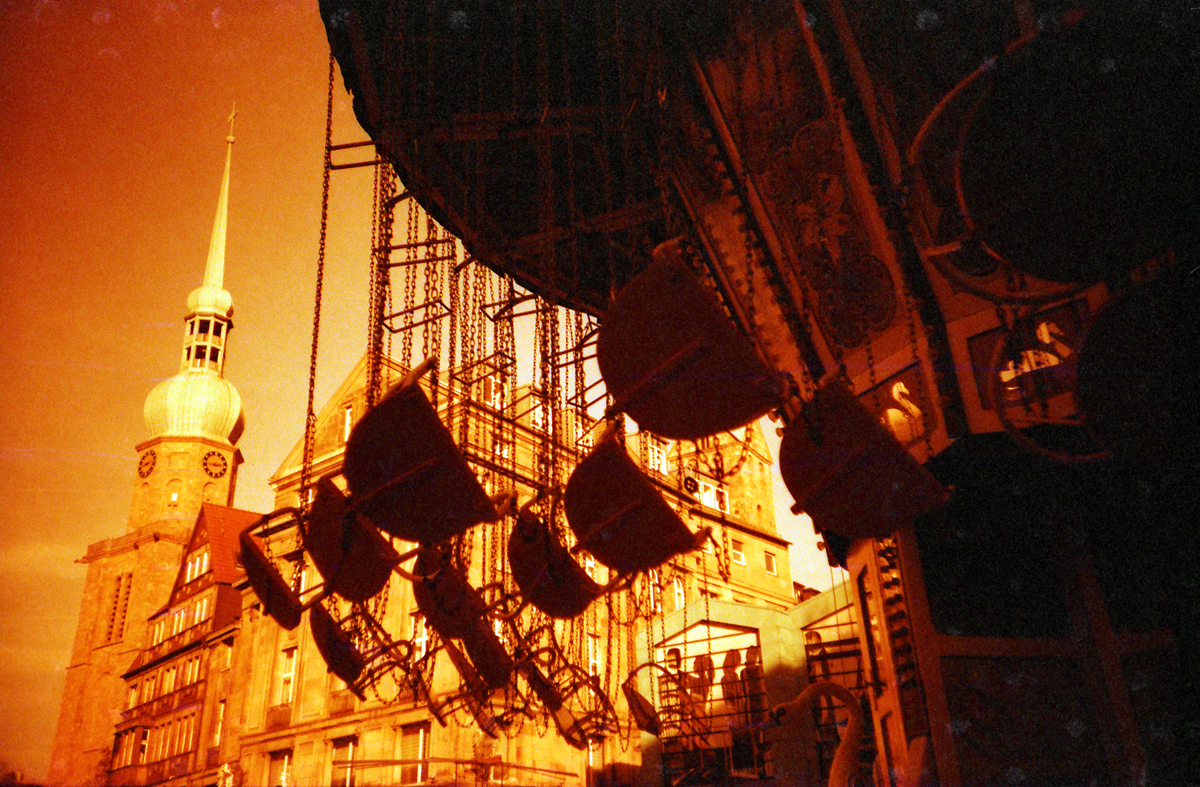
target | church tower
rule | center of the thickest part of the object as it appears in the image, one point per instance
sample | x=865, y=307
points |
x=195, y=419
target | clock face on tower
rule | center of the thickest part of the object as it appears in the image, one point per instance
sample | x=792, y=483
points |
x=146, y=464
x=215, y=464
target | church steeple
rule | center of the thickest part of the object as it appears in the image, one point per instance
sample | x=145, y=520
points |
x=190, y=459
x=195, y=418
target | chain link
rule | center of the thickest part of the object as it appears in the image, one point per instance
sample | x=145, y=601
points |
x=310, y=418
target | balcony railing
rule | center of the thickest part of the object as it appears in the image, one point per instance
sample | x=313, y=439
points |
x=341, y=702
x=279, y=716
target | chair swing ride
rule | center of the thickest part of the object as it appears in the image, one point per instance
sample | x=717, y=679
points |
x=754, y=222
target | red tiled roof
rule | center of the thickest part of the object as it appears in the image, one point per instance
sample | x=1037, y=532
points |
x=224, y=524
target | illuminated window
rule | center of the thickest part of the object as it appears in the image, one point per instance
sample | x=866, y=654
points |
x=769, y=561
x=655, y=591
x=737, y=552
x=168, y=682
x=680, y=598
x=132, y=700
x=347, y=422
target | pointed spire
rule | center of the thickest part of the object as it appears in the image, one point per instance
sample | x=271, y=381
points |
x=214, y=271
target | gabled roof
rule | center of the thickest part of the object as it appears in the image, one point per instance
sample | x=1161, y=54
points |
x=224, y=524
x=352, y=387
x=218, y=526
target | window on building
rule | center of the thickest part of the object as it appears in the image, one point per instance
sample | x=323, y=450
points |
x=287, y=676
x=168, y=681
x=343, y=759
x=174, y=489
x=655, y=590
x=148, y=689
x=279, y=773
x=491, y=392
x=219, y=723
x=143, y=746
x=501, y=450
x=216, y=332
x=197, y=564
x=118, y=607
x=414, y=752
x=539, y=416
x=714, y=497
x=347, y=422
x=657, y=456
x=589, y=566
x=769, y=562
x=419, y=633
x=737, y=552
x=680, y=598
x=595, y=656
x=187, y=730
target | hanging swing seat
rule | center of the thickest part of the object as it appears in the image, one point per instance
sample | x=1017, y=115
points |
x=846, y=470
x=549, y=578
x=405, y=473
x=455, y=609
x=276, y=596
x=673, y=360
x=353, y=558
x=619, y=517
x=342, y=658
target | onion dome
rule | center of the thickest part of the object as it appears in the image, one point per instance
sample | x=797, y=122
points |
x=192, y=404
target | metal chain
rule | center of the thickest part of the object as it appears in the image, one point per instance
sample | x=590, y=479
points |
x=310, y=418
x=410, y=287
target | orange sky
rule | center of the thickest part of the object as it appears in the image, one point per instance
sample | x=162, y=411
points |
x=113, y=142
